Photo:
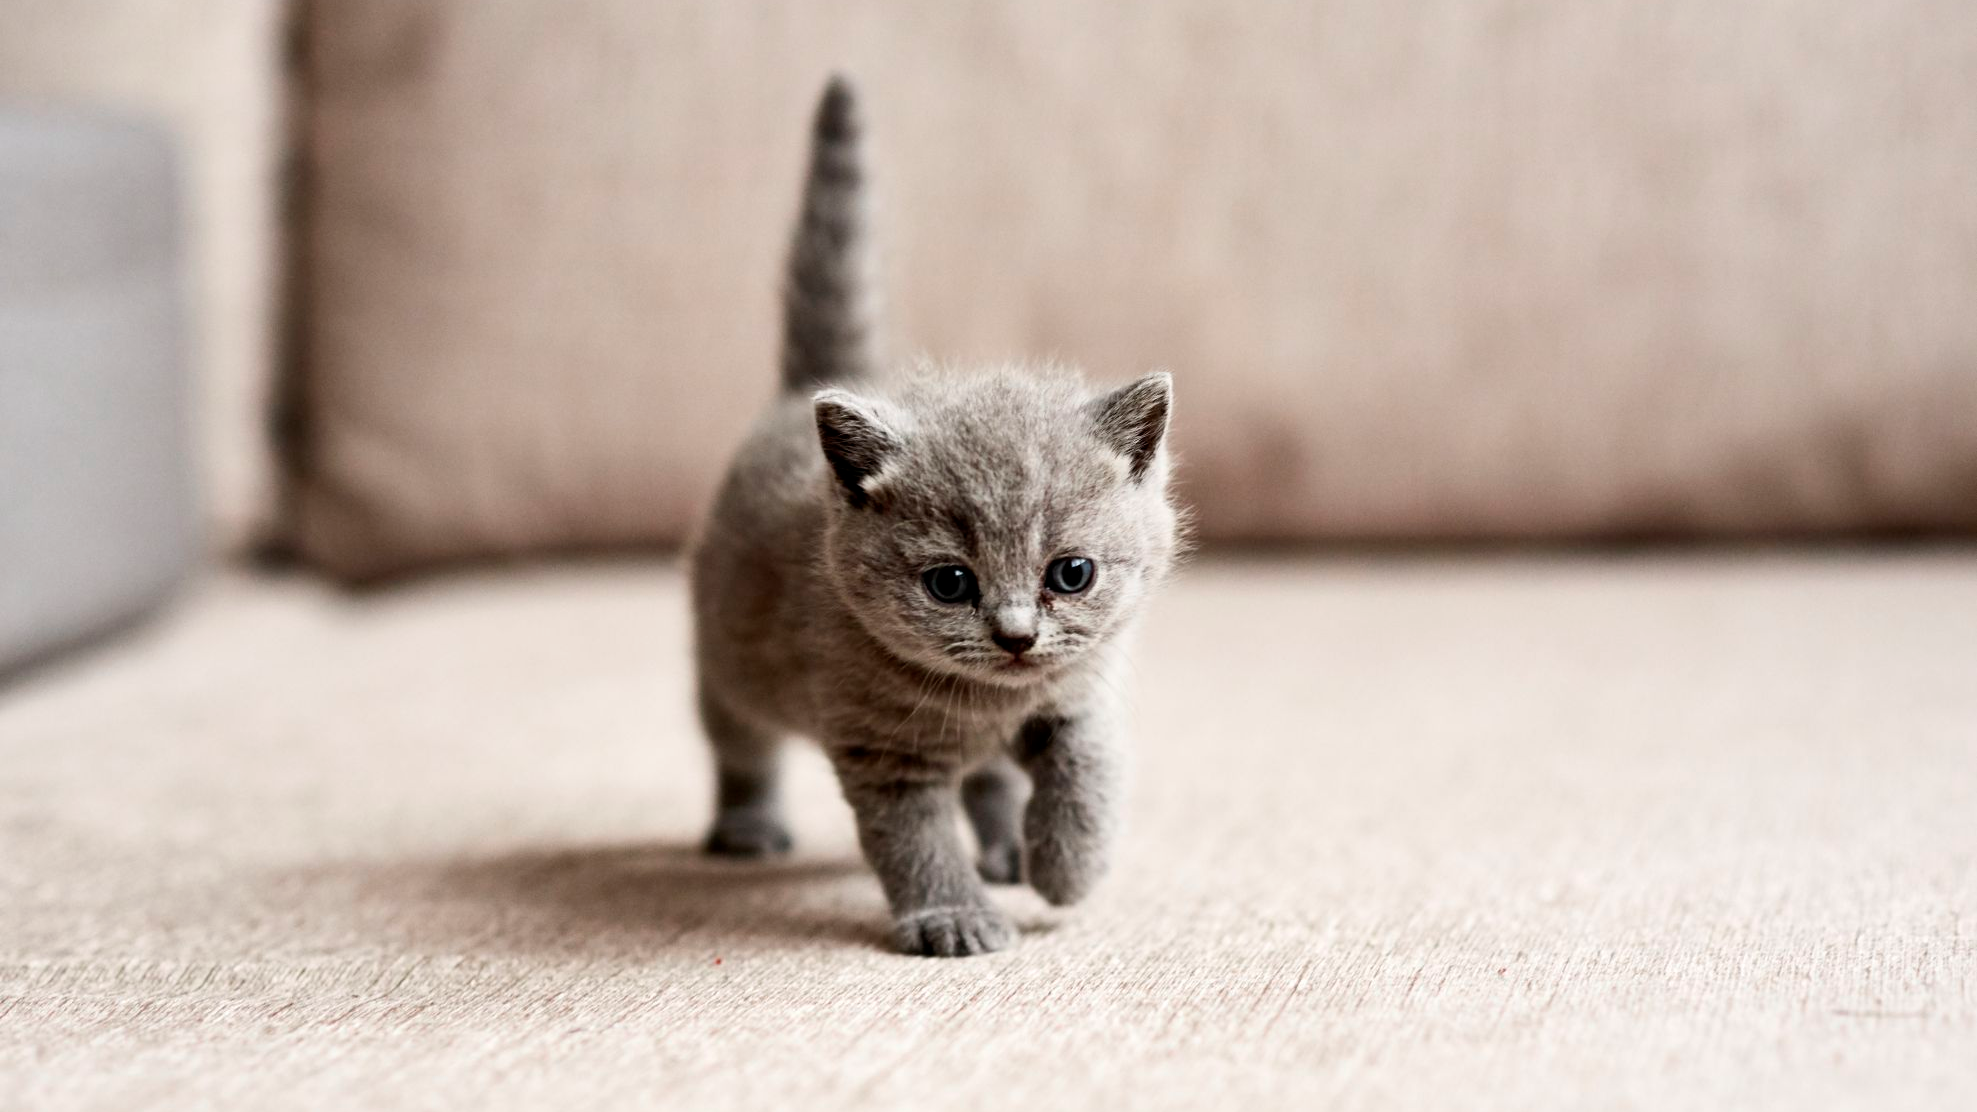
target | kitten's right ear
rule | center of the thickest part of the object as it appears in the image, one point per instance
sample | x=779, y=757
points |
x=855, y=439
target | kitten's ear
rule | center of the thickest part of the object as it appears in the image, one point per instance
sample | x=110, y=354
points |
x=856, y=440
x=1133, y=419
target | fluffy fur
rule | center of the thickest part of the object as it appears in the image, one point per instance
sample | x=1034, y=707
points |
x=813, y=618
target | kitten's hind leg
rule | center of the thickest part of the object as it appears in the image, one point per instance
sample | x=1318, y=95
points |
x=748, y=813
x=993, y=796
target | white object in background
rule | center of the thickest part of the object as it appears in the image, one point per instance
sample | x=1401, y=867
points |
x=96, y=503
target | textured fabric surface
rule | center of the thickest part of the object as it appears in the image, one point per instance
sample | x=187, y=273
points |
x=1519, y=834
x=96, y=518
x=1457, y=269
x=210, y=70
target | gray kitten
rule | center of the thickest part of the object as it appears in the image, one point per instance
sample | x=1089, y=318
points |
x=932, y=578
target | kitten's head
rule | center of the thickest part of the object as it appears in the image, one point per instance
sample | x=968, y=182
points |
x=997, y=525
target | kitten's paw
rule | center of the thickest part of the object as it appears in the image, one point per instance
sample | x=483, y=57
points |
x=1061, y=875
x=1001, y=863
x=953, y=932
x=748, y=835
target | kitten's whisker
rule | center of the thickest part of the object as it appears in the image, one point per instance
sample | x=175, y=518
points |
x=947, y=705
x=926, y=689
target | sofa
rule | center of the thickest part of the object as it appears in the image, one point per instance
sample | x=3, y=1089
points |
x=1572, y=700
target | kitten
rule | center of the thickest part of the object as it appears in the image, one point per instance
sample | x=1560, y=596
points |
x=932, y=578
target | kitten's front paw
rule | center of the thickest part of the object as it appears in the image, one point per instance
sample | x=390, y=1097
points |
x=1001, y=863
x=953, y=932
x=1061, y=874
x=748, y=835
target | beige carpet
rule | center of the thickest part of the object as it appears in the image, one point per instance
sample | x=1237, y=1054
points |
x=1517, y=833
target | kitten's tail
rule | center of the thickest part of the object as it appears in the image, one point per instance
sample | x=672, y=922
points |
x=829, y=296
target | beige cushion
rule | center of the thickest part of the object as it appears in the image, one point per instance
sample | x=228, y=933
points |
x=210, y=70
x=1523, y=835
x=1493, y=269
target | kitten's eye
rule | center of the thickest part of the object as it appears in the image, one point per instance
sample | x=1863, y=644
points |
x=1069, y=575
x=950, y=583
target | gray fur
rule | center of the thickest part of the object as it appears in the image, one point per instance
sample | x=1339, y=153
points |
x=812, y=619
x=993, y=796
x=829, y=296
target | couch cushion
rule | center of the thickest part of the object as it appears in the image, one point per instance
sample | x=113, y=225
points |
x=211, y=71
x=1550, y=834
x=1494, y=269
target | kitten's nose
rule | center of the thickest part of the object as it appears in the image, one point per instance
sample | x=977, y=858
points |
x=1015, y=644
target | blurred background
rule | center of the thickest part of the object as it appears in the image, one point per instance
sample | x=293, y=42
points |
x=303, y=294
x=466, y=281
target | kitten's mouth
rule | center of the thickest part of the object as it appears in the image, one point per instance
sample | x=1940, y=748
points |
x=1006, y=670
x=1021, y=669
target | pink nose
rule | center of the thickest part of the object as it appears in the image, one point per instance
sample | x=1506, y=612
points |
x=1015, y=644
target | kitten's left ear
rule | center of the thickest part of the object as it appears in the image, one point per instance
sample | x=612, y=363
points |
x=1133, y=419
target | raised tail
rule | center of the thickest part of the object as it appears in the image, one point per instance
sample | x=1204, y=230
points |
x=829, y=297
